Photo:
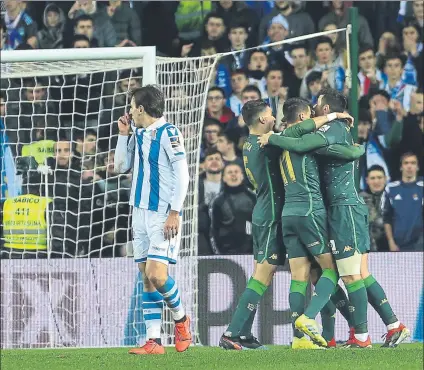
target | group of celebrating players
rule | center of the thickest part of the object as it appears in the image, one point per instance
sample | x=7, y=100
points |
x=324, y=233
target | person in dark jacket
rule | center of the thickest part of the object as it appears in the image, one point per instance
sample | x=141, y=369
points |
x=231, y=214
x=126, y=23
x=104, y=32
x=51, y=37
x=339, y=16
x=376, y=182
x=210, y=184
x=403, y=208
x=300, y=23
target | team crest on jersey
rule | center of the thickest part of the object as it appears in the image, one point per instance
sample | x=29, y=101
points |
x=415, y=197
x=153, y=135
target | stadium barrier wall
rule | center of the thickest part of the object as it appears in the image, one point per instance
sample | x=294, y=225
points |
x=91, y=303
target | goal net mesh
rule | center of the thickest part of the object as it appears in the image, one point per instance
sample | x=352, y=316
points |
x=63, y=115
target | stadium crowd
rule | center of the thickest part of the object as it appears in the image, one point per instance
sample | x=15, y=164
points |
x=89, y=210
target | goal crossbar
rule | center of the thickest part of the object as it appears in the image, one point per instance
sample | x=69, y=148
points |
x=145, y=53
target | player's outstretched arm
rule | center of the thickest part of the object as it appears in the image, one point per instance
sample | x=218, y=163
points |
x=312, y=124
x=300, y=145
x=125, y=149
x=346, y=152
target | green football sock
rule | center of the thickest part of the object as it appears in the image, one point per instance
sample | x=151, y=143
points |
x=246, y=330
x=323, y=290
x=342, y=303
x=328, y=319
x=359, y=300
x=378, y=300
x=247, y=304
x=297, y=299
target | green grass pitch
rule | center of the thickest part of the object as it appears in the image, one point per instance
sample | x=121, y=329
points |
x=406, y=357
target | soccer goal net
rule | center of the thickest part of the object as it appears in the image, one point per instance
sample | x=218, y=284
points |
x=65, y=211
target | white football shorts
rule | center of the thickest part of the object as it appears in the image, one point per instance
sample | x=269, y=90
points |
x=148, y=238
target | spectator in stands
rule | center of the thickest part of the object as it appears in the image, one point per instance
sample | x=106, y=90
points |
x=237, y=11
x=237, y=34
x=393, y=67
x=376, y=182
x=300, y=23
x=403, y=208
x=239, y=81
x=274, y=83
x=299, y=57
x=51, y=37
x=20, y=27
x=211, y=129
x=387, y=125
x=216, y=108
x=413, y=47
x=339, y=16
x=227, y=147
x=418, y=15
x=104, y=32
x=278, y=54
x=111, y=211
x=65, y=183
x=231, y=214
x=126, y=23
x=258, y=64
x=236, y=127
x=386, y=44
x=190, y=19
x=369, y=75
x=3, y=34
x=210, y=183
x=333, y=74
x=213, y=37
x=314, y=81
x=24, y=223
x=340, y=53
x=86, y=145
x=84, y=25
x=413, y=133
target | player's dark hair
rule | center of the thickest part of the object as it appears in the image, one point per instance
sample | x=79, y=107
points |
x=273, y=69
x=252, y=110
x=217, y=88
x=212, y=151
x=312, y=77
x=77, y=38
x=293, y=107
x=376, y=167
x=324, y=40
x=151, y=98
x=334, y=99
x=83, y=17
x=252, y=88
x=407, y=155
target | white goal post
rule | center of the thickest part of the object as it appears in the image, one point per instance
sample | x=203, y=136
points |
x=75, y=290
